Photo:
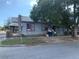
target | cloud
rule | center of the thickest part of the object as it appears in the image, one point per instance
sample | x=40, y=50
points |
x=33, y=2
x=8, y=2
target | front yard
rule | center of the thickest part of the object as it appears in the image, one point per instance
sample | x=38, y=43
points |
x=25, y=41
x=38, y=40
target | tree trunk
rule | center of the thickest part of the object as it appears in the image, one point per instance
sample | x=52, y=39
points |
x=74, y=34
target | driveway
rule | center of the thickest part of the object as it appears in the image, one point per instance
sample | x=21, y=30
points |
x=50, y=51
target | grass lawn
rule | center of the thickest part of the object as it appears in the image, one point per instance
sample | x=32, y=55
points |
x=23, y=41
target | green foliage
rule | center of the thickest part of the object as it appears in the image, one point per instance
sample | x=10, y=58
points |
x=54, y=11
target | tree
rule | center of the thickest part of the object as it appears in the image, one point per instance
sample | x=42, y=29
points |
x=56, y=11
x=47, y=10
x=75, y=3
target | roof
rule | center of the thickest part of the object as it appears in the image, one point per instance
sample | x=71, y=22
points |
x=14, y=20
x=13, y=24
x=27, y=19
x=23, y=18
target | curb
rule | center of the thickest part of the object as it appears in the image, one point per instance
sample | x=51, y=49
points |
x=12, y=45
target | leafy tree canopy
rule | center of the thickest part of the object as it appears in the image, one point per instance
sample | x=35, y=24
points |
x=54, y=11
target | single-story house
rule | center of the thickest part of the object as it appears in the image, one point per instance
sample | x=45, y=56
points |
x=27, y=27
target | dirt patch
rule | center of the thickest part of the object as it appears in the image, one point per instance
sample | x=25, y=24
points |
x=59, y=39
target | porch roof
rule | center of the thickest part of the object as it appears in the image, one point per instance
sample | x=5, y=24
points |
x=13, y=24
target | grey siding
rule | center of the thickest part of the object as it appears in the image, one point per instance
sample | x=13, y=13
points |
x=60, y=31
x=37, y=29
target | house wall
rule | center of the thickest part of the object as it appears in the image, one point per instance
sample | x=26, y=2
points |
x=60, y=31
x=36, y=29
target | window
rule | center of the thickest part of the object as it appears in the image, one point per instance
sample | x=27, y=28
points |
x=30, y=27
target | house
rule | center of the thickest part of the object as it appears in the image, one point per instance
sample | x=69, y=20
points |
x=26, y=26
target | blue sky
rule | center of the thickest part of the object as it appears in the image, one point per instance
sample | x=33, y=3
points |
x=12, y=8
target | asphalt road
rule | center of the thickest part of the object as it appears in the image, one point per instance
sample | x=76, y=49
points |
x=51, y=51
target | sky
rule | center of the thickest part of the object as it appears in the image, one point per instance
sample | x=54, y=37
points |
x=12, y=8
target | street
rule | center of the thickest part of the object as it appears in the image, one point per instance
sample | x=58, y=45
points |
x=50, y=51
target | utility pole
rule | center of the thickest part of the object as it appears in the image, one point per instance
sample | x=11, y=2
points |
x=20, y=27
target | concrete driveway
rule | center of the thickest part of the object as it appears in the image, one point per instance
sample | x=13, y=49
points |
x=51, y=51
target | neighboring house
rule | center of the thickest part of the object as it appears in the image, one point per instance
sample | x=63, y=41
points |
x=28, y=26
